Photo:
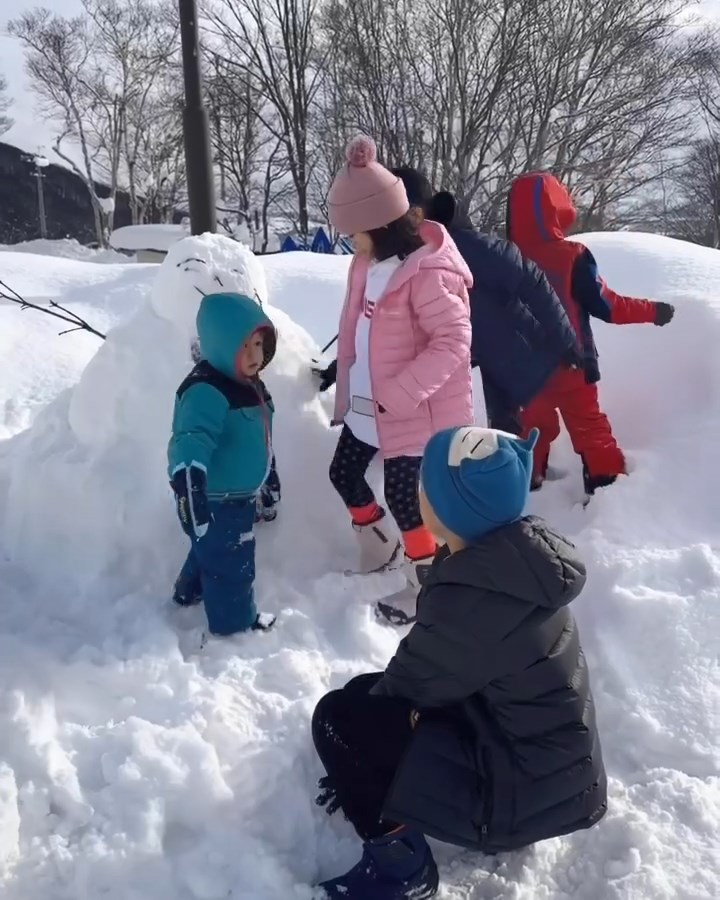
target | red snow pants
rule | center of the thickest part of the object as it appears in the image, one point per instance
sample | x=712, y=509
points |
x=568, y=394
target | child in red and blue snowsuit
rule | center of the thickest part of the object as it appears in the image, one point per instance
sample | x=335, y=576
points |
x=540, y=212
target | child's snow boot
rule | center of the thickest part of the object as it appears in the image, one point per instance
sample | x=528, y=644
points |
x=400, y=608
x=398, y=866
x=187, y=590
x=264, y=622
x=185, y=600
x=379, y=547
x=417, y=570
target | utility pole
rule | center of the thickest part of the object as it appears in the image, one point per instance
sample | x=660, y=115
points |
x=41, y=163
x=198, y=159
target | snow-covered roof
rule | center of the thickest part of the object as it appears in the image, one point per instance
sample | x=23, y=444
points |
x=147, y=237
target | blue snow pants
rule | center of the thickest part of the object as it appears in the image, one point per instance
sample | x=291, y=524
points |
x=220, y=568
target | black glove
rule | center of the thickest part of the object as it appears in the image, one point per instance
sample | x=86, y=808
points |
x=572, y=359
x=328, y=795
x=268, y=498
x=326, y=377
x=664, y=313
x=190, y=486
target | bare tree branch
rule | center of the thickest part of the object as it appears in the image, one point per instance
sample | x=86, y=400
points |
x=56, y=310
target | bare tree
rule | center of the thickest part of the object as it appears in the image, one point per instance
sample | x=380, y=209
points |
x=478, y=91
x=615, y=75
x=58, y=55
x=99, y=75
x=6, y=123
x=274, y=44
x=135, y=42
x=476, y=79
x=238, y=136
x=276, y=190
x=372, y=86
x=158, y=157
x=696, y=214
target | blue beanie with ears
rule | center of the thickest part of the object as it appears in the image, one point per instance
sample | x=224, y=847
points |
x=477, y=479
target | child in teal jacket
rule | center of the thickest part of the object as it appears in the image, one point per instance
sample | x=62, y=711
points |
x=220, y=456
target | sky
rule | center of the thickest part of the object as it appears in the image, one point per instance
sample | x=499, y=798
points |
x=34, y=135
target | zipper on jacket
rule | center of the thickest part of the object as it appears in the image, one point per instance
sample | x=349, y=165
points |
x=343, y=314
x=487, y=801
x=370, y=333
x=266, y=428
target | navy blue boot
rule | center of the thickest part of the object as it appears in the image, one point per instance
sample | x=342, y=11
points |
x=188, y=585
x=398, y=866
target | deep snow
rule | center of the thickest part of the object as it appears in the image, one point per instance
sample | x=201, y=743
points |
x=36, y=364
x=67, y=249
x=135, y=767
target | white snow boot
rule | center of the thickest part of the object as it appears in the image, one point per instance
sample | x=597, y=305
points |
x=416, y=570
x=400, y=608
x=379, y=547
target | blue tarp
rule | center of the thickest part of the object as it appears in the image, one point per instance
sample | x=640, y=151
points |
x=288, y=245
x=321, y=242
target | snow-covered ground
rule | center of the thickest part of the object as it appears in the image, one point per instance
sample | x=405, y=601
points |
x=67, y=249
x=35, y=363
x=135, y=767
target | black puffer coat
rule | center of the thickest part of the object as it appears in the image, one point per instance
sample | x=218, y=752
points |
x=506, y=752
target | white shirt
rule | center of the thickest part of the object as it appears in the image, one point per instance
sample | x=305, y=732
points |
x=360, y=418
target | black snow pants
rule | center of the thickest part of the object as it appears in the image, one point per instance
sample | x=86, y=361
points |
x=361, y=740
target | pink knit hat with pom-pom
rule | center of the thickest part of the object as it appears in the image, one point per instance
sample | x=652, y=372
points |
x=364, y=195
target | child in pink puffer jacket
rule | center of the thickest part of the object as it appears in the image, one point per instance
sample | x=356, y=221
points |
x=403, y=363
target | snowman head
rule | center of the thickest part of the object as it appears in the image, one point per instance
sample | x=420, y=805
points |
x=201, y=265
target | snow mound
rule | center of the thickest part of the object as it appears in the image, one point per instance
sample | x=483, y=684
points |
x=117, y=420
x=134, y=766
x=37, y=364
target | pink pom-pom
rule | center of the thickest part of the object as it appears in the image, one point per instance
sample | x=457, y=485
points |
x=361, y=151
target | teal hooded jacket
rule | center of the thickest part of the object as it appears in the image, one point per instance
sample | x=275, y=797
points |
x=222, y=422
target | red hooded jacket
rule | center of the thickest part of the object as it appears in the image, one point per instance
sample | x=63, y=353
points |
x=540, y=213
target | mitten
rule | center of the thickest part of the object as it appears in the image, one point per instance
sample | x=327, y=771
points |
x=326, y=377
x=664, y=313
x=266, y=505
x=190, y=486
x=268, y=496
x=573, y=359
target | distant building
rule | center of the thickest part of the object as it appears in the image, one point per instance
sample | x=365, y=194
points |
x=150, y=243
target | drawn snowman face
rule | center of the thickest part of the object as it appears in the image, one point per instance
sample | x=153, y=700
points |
x=231, y=280
x=197, y=266
x=200, y=272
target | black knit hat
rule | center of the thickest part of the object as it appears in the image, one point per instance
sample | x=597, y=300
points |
x=439, y=207
x=442, y=208
x=417, y=186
